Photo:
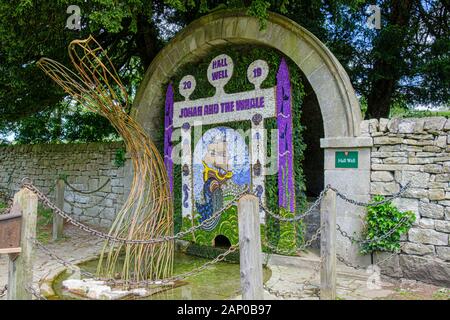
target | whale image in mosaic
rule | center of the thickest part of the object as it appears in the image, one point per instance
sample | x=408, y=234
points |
x=218, y=170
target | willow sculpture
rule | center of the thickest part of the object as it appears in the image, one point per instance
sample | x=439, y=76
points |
x=148, y=211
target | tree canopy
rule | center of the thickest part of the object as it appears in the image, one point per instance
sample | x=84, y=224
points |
x=406, y=62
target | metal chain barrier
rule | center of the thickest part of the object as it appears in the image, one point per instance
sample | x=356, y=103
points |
x=298, y=293
x=73, y=204
x=314, y=237
x=111, y=238
x=348, y=264
x=179, y=277
x=311, y=209
x=371, y=204
x=84, y=192
x=8, y=208
x=359, y=267
x=276, y=250
x=44, y=199
x=170, y=280
x=34, y=293
x=376, y=239
x=307, y=244
x=3, y=291
x=61, y=261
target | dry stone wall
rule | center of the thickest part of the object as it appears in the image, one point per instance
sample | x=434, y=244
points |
x=416, y=150
x=87, y=167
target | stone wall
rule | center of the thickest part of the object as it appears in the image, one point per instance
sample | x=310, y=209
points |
x=87, y=167
x=416, y=150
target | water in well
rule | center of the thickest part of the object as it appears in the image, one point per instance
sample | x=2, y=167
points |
x=218, y=282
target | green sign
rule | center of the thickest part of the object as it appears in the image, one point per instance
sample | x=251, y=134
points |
x=346, y=159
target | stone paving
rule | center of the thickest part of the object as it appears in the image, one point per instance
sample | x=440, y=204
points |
x=288, y=273
x=76, y=246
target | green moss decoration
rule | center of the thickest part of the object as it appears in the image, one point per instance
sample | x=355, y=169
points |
x=284, y=236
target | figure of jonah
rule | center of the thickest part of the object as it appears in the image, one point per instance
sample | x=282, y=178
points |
x=215, y=175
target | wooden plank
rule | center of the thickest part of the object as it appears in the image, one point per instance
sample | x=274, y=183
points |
x=328, y=246
x=250, y=248
x=20, y=273
x=10, y=250
x=58, y=221
x=10, y=225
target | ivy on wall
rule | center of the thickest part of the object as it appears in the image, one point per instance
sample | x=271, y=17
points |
x=283, y=235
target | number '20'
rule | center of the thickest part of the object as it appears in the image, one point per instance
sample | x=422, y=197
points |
x=187, y=85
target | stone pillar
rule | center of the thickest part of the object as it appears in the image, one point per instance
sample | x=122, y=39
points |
x=354, y=181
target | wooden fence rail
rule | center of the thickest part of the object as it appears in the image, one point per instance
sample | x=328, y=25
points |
x=328, y=246
x=250, y=248
x=20, y=274
x=58, y=221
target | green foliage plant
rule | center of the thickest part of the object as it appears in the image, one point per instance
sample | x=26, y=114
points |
x=381, y=220
x=283, y=236
x=120, y=157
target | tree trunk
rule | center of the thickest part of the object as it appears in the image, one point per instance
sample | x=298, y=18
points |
x=147, y=43
x=387, y=70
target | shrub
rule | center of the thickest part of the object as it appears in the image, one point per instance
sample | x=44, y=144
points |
x=381, y=220
x=120, y=158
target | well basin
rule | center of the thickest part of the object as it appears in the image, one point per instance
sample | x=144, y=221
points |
x=218, y=282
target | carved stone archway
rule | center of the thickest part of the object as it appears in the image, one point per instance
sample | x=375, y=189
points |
x=327, y=77
x=336, y=97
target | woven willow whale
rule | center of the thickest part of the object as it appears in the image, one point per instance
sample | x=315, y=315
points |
x=148, y=211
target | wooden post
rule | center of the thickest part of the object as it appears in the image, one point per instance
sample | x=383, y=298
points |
x=250, y=248
x=328, y=246
x=58, y=221
x=20, y=274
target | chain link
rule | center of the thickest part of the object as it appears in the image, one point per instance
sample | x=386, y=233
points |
x=34, y=293
x=3, y=291
x=296, y=250
x=359, y=267
x=318, y=201
x=277, y=250
x=111, y=238
x=348, y=264
x=314, y=237
x=110, y=281
x=75, y=205
x=179, y=277
x=63, y=262
x=299, y=293
x=371, y=204
x=376, y=239
x=84, y=192
x=387, y=258
x=8, y=208
x=311, y=209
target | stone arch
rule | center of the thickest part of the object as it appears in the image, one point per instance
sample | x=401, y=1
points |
x=338, y=103
x=339, y=107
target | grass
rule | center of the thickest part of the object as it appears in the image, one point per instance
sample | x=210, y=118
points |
x=407, y=295
x=418, y=114
x=44, y=224
x=441, y=294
